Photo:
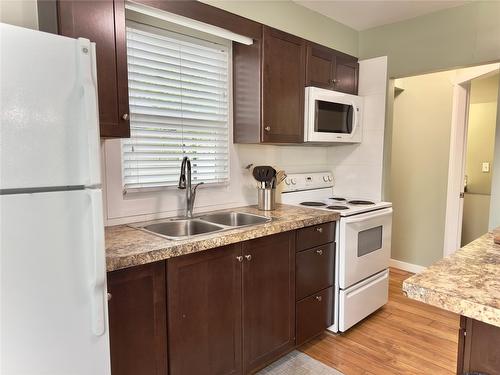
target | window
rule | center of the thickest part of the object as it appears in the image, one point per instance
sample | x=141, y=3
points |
x=178, y=97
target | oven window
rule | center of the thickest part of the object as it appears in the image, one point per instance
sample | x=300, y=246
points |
x=333, y=117
x=369, y=240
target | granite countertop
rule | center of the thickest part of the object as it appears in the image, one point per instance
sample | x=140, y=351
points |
x=466, y=283
x=127, y=246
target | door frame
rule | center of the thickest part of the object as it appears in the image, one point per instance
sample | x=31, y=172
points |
x=458, y=144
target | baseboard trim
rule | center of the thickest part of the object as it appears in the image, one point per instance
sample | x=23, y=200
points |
x=409, y=267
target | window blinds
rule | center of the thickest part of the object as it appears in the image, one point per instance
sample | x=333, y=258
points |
x=178, y=98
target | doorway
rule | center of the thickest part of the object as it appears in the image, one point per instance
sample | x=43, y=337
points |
x=479, y=156
x=471, y=190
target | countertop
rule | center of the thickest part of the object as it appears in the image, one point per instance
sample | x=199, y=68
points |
x=127, y=246
x=466, y=283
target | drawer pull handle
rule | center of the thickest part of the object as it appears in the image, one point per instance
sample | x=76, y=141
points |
x=318, y=298
x=248, y=257
x=319, y=229
x=109, y=296
x=239, y=258
x=319, y=252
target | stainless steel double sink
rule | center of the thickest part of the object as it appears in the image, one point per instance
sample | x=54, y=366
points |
x=178, y=229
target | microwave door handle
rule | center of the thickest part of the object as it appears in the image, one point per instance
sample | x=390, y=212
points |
x=354, y=118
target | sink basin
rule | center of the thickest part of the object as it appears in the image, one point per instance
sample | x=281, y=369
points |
x=178, y=229
x=234, y=219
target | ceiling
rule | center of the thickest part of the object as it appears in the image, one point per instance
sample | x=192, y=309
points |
x=362, y=14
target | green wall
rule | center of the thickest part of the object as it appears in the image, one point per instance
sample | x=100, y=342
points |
x=295, y=19
x=419, y=167
x=458, y=37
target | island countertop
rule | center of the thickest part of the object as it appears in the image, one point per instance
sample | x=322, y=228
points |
x=466, y=283
x=127, y=246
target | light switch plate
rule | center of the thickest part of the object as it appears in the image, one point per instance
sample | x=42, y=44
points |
x=486, y=167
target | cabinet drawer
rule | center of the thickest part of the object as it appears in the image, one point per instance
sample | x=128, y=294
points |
x=315, y=236
x=314, y=315
x=314, y=270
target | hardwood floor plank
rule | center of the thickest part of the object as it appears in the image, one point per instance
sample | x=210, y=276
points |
x=403, y=337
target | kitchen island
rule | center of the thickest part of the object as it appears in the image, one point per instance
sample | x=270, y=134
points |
x=467, y=283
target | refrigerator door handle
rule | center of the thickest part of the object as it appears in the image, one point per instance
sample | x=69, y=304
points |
x=88, y=76
x=98, y=265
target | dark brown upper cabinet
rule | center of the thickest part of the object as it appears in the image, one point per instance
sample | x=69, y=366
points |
x=103, y=22
x=269, y=89
x=330, y=69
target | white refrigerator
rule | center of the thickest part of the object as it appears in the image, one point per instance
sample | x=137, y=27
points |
x=53, y=305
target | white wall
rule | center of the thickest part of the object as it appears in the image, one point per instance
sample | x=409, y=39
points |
x=358, y=167
x=19, y=12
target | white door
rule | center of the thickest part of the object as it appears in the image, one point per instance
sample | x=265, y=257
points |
x=364, y=246
x=49, y=135
x=53, y=296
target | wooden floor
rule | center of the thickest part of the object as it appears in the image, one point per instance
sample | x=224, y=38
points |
x=403, y=337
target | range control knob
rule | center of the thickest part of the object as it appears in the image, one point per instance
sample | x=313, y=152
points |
x=325, y=178
x=287, y=181
x=293, y=181
x=330, y=178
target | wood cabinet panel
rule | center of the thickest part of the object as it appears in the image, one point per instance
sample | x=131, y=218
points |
x=478, y=351
x=204, y=312
x=282, y=87
x=320, y=65
x=315, y=269
x=314, y=315
x=315, y=235
x=137, y=320
x=268, y=299
x=346, y=76
x=103, y=22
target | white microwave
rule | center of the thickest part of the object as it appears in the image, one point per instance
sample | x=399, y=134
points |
x=332, y=116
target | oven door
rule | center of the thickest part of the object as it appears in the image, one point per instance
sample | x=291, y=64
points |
x=364, y=246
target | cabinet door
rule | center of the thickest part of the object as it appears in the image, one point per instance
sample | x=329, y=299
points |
x=283, y=87
x=478, y=348
x=320, y=63
x=268, y=299
x=103, y=22
x=346, y=75
x=314, y=315
x=204, y=312
x=137, y=320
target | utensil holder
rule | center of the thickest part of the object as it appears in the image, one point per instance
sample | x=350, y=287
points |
x=266, y=199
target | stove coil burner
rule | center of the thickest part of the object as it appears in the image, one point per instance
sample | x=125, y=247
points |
x=361, y=202
x=338, y=199
x=316, y=204
x=338, y=208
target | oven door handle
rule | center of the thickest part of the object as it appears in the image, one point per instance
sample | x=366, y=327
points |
x=367, y=216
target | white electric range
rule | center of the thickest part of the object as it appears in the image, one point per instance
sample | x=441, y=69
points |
x=363, y=245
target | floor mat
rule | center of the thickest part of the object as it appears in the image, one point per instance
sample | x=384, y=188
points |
x=298, y=363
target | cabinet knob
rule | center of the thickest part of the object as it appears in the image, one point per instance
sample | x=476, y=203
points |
x=319, y=298
x=319, y=252
x=335, y=81
x=248, y=257
x=319, y=229
x=239, y=258
x=267, y=128
x=125, y=116
x=109, y=296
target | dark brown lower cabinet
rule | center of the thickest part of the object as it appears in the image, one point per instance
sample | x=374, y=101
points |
x=478, y=348
x=204, y=312
x=137, y=320
x=268, y=299
x=314, y=315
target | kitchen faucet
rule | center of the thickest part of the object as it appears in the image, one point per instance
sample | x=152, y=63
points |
x=185, y=183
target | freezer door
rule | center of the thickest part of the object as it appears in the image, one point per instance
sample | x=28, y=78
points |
x=53, y=295
x=49, y=134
